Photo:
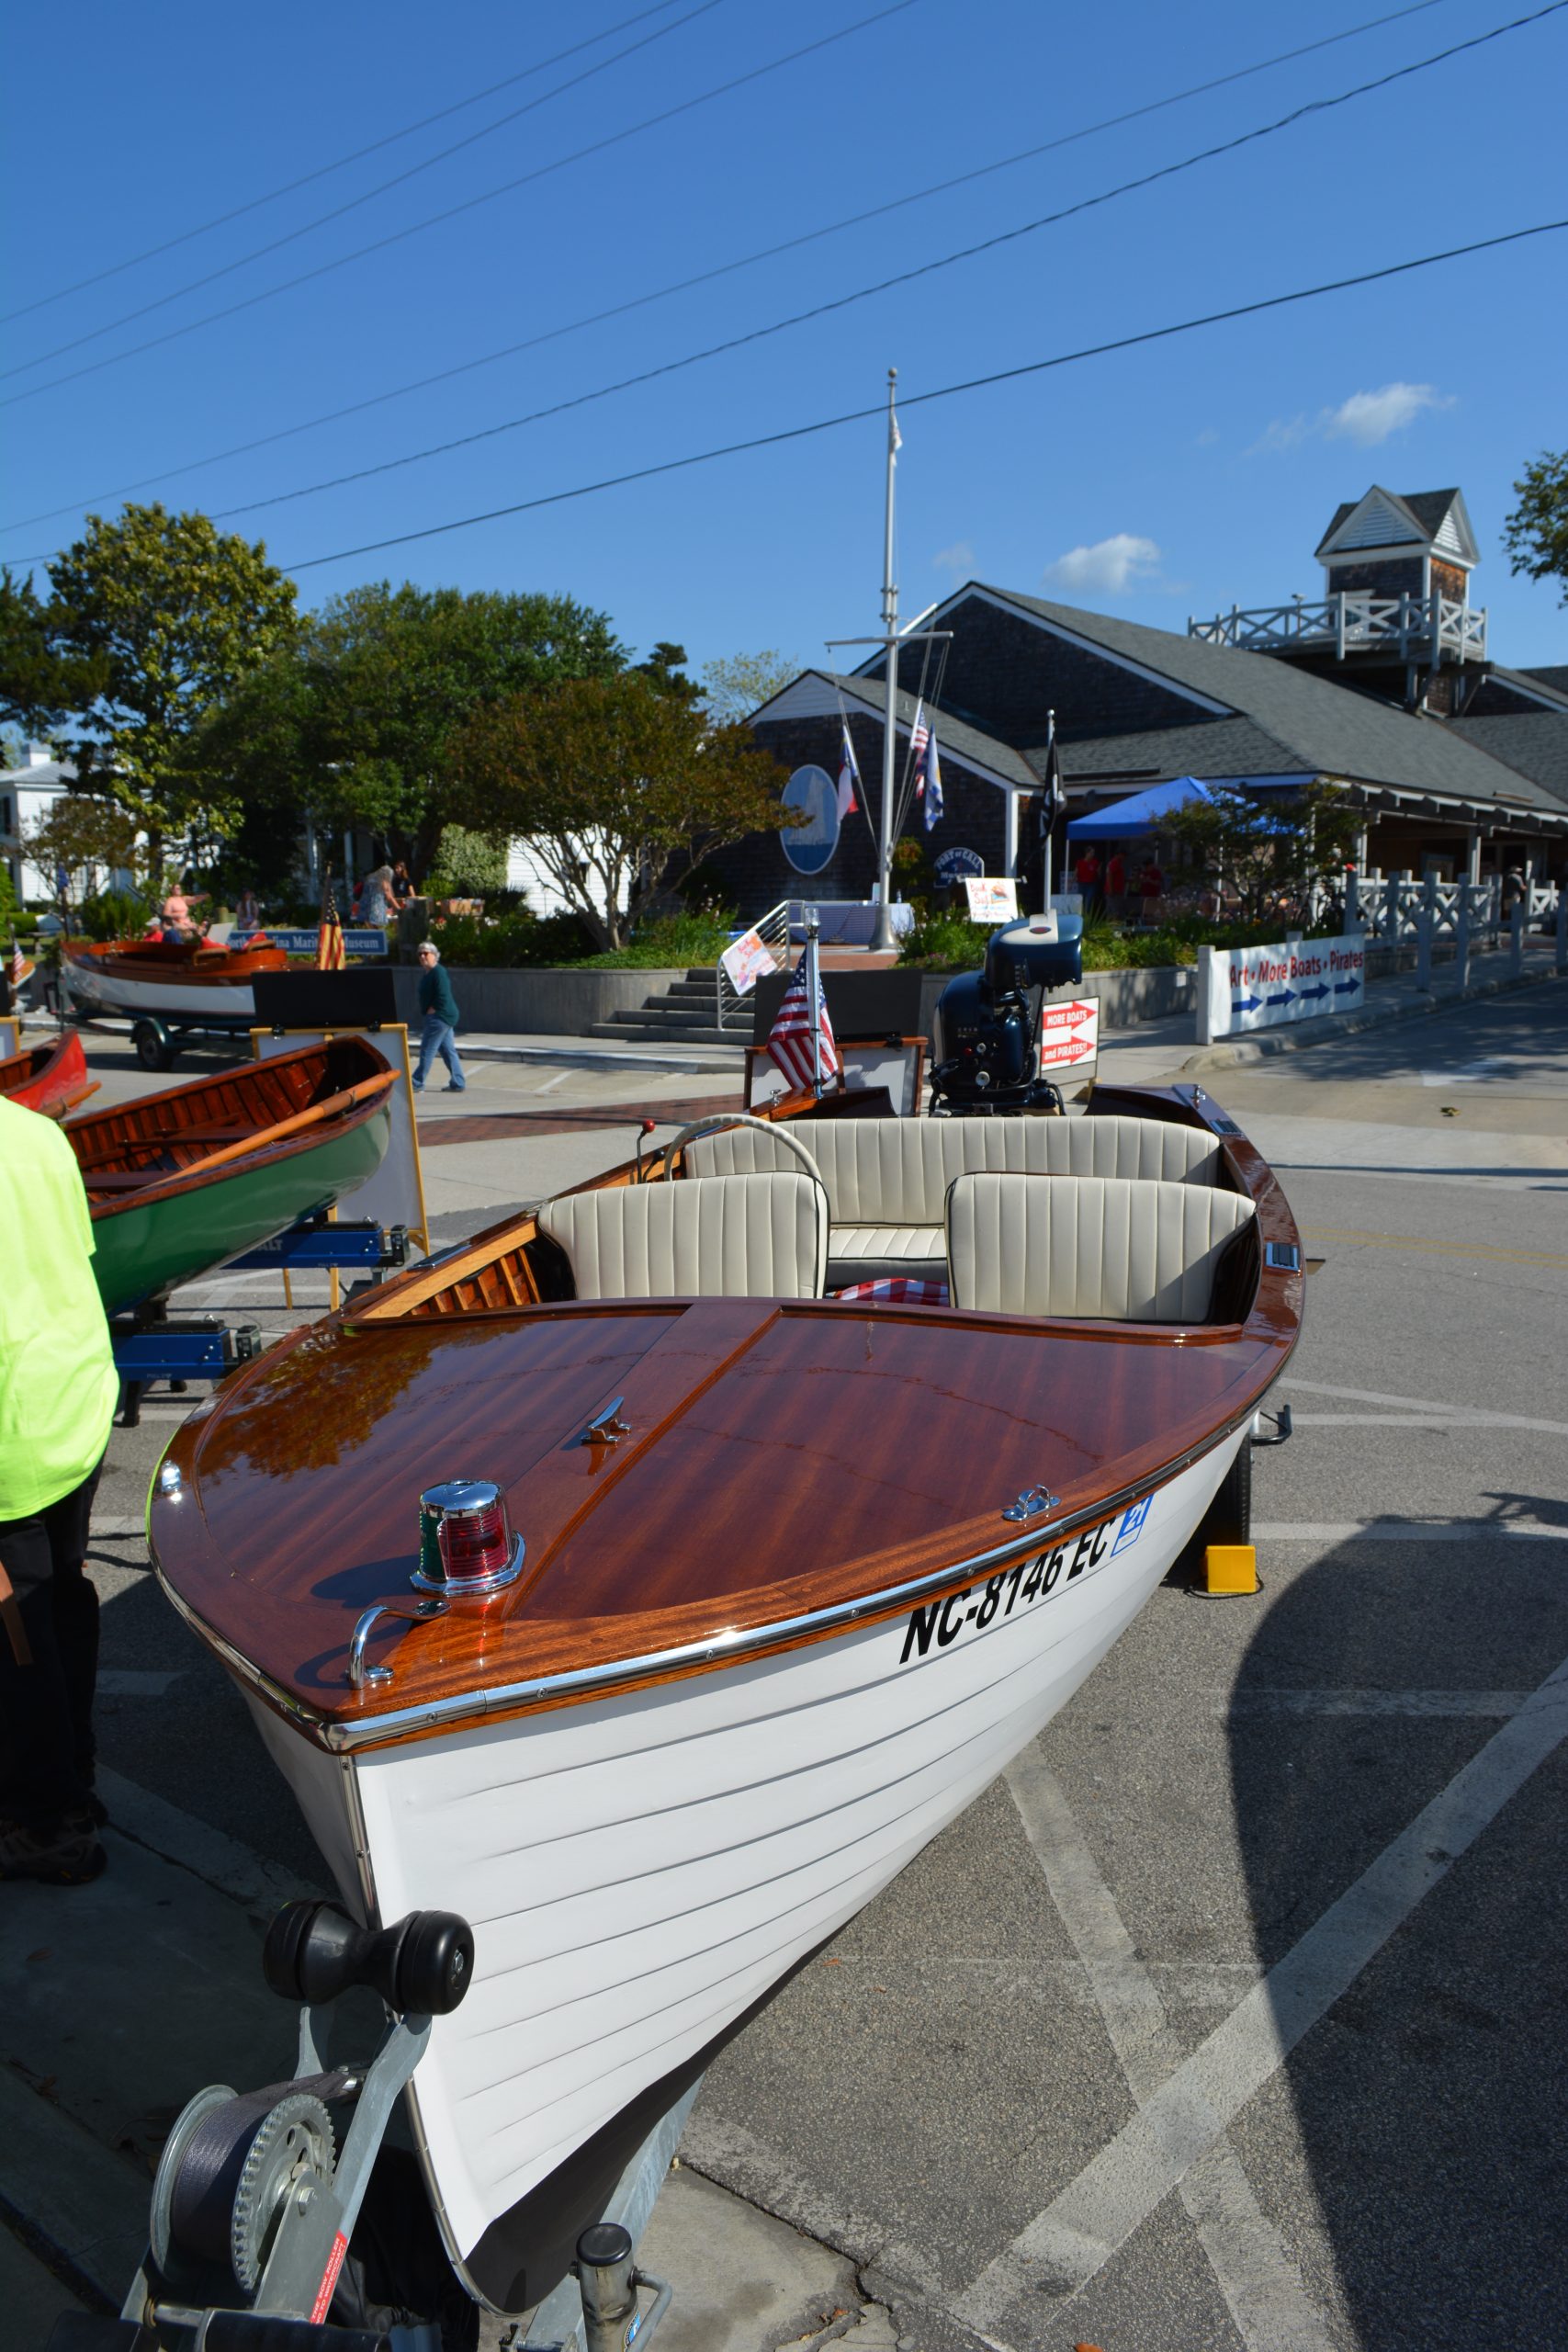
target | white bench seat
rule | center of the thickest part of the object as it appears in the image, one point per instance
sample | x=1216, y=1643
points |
x=887, y=1179
x=718, y=1236
x=1099, y=1247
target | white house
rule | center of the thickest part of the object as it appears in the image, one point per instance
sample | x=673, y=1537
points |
x=27, y=794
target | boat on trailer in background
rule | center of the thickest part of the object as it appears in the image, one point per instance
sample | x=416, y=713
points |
x=612, y=1583
x=166, y=987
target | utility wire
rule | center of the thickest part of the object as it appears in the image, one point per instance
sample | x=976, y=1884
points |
x=920, y=400
x=324, y=171
x=885, y=285
x=452, y=212
x=706, y=276
x=352, y=203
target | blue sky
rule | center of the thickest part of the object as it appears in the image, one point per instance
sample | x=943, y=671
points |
x=1153, y=484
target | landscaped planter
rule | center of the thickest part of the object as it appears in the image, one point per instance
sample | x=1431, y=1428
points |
x=554, y=1001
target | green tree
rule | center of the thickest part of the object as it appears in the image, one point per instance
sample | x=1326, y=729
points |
x=170, y=614
x=619, y=789
x=1268, y=849
x=733, y=689
x=1536, y=533
x=356, y=720
x=38, y=687
x=665, y=668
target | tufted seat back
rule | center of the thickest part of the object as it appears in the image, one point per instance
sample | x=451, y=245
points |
x=1102, y=1247
x=722, y=1237
x=897, y=1172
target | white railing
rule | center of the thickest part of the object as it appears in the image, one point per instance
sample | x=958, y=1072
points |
x=774, y=930
x=1425, y=629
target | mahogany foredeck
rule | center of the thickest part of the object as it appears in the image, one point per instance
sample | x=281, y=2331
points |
x=190, y=962
x=782, y=1458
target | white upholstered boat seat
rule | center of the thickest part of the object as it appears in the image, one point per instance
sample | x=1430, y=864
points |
x=1104, y=1246
x=724, y=1236
x=897, y=1172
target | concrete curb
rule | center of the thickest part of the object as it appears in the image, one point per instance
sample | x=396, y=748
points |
x=1348, y=1024
x=68, y=2196
x=587, y=1056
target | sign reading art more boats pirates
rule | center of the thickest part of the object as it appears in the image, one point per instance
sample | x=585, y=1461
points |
x=1244, y=988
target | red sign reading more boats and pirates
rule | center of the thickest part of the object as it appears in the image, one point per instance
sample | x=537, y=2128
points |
x=1263, y=987
x=1069, y=1034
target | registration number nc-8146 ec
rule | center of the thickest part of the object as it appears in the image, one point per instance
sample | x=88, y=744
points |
x=1033, y=1579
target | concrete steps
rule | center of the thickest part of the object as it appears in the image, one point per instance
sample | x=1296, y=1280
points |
x=682, y=1014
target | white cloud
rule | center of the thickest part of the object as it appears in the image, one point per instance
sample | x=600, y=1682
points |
x=1365, y=418
x=959, y=556
x=1107, y=567
x=1370, y=417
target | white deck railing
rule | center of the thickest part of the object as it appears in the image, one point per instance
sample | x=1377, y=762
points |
x=1419, y=629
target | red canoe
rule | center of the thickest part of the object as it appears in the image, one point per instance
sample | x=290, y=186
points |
x=51, y=1079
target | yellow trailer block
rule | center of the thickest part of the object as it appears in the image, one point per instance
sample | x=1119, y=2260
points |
x=1230, y=1567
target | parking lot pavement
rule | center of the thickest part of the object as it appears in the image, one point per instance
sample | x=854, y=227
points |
x=1233, y=2015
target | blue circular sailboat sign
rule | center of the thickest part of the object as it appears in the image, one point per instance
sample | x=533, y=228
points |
x=809, y=847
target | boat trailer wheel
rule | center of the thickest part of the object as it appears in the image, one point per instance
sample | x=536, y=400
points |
x=155, y=1047
x=231, y=2166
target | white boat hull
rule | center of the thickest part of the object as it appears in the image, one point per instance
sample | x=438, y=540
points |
x=640, y=1871
x=216, y=1000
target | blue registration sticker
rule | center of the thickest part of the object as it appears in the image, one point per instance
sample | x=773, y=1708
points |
x=1131, y=1525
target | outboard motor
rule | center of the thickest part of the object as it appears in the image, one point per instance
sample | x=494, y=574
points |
x=989, y=1028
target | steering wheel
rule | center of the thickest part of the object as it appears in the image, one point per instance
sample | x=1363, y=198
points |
x=716, y=1125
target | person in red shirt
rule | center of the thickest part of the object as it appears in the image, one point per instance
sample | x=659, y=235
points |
x=1116, y=883
x=1151, y=889
x=1086, y=874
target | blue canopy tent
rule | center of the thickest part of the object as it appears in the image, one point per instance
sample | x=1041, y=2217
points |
x=1144, y=812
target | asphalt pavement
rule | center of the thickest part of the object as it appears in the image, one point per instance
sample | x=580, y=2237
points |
x=1232, y=2017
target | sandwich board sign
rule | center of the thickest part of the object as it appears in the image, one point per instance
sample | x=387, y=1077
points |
x=1069, y=1036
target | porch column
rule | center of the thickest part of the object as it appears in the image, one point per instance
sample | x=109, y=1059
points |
x=1010, y=835
x=1472, y=836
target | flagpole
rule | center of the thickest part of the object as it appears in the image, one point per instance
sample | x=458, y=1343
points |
x=1050, y=806
x=883, y=934
x=813, y=983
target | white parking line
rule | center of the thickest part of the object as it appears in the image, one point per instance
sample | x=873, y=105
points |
x=1263, y=2288
x=133, y=1682
x=1404, y=1530
x=1067, y=2245
x=1475, y=1413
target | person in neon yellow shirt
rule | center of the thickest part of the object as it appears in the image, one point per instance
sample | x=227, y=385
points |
x=57, y=1393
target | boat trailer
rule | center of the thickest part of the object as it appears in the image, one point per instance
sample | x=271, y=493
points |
x=252, y=2236
x=150, y=1345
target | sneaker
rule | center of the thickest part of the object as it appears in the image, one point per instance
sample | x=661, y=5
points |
x=457, y=1089
x=67, y=1855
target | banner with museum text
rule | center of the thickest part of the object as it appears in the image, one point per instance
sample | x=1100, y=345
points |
x=1267, y=988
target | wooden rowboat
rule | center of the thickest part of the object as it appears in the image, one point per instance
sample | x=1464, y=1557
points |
x=187, y=980
x=181, y=1180
x=794, y=1575
x=51, y=1079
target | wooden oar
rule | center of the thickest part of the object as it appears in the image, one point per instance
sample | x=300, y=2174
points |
x=365, y=1090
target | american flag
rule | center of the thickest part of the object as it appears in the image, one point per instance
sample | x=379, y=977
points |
x=849, y=776
x=330, y=953
x=20, y=967
x=789, y=1039
x=920, y=734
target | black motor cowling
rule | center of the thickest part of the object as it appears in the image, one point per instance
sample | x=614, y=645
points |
x=987, y=1022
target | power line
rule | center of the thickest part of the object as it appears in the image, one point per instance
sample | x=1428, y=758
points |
x=885, y=285
x=354, y=203
x=921, y=399
x=452, y=212
x=723, y=269
x=324, y=171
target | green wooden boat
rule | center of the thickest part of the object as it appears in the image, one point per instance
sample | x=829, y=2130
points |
x=182, y=1181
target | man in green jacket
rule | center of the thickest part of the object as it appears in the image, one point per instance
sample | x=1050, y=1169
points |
x=439, y=1007
x=57, y=1393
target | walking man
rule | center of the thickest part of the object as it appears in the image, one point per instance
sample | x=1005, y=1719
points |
x=439, y=1007
x=58, y=1392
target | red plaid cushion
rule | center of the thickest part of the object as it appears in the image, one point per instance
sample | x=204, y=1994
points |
x=904, y=1290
